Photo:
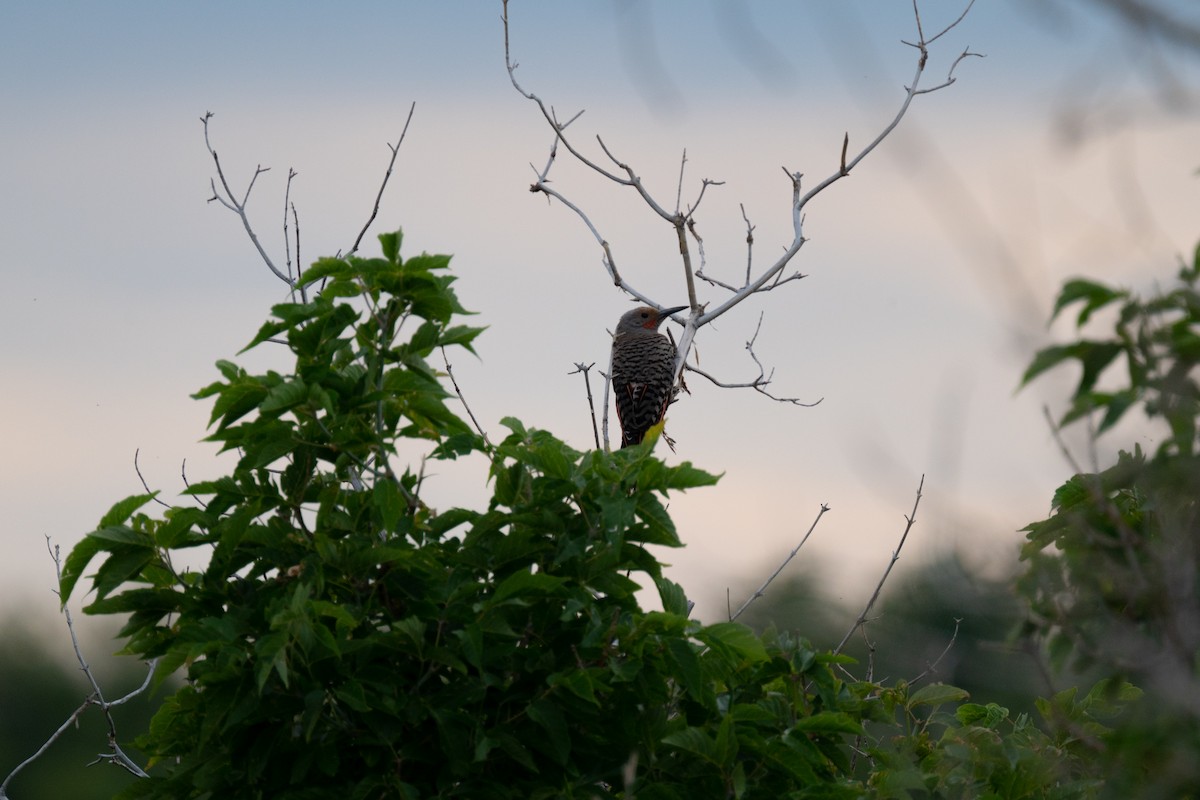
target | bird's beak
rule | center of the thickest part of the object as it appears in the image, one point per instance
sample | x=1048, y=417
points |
x=666, y=312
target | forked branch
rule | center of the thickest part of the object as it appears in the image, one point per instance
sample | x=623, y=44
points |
x=683, y=220
x=115, y=755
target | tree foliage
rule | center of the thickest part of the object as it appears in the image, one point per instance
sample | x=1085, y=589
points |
x=345, y=637
x=1113, y=575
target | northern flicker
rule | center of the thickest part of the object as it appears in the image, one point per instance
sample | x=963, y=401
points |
x=643, y=371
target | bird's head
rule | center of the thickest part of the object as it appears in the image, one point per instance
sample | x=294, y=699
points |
x=644, y=318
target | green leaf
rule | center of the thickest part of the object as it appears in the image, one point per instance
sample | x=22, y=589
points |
x=123, y=510
x=659, y=528
x=323, y=268
x=989, y=716
x=829, y=722
x=461, y=335
x=694, y=740
x=558, y=736
x=389, y=503
x=284, y=395
x=76, y=562
x=578, y=682
x=674, y=601
x=121, y=565
x=936, y=694
x=685, y=476
x=1093, y=295
x=726, y=744
x=735, y=637
x=527, y=583
x=390, y=243
x=1094, y=356
x=687, y=668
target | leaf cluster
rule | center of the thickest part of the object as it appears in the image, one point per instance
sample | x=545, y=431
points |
x=1113, y=573
x=1158, y=341
x=344, y=638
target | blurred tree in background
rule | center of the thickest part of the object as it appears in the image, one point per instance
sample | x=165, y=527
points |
x=938, y=621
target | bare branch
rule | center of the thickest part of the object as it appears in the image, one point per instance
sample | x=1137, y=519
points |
x=587, y=381
x=932, y=667
x=635, y=182
x=511, y=66
x=239, y=207
x=296, y=222
x=862, y=618
x=96, y=698
x=287, y=244
x=607, y=386
x=950, y=75
x=458, y=391
x=772, y=276
x=679, y=188
x=688, y=274
x=391, y=165
x=749, y=241
x=760, y=383
x=844, y=168
x=704, y=184
x=763, y=589
x=145, y=485
x=1056, y=432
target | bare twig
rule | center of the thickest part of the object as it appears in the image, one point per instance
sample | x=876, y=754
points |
x=141, y=478
x=231, y=201
x=950, y=75
x=383, y=185
x=749, y=241
x=862, y=618
x=625, y=175
x=760, y=591
x=845, y=166
x=164, y=554
x=760, y=383
x=288, y=205
x=287, y=244
x=857, y=747
x=96, y=698
x=607, y=386
x=541, y=185
x=679, y=187
x=932, y=667
x=704, y=184
x=587, y=381
x=296, y=221
x=1056, y=432
x=463, y=400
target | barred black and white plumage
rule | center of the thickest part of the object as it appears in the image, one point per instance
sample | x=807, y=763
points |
x=643, y=371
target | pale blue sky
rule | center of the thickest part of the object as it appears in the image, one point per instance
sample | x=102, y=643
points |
x=930, y=269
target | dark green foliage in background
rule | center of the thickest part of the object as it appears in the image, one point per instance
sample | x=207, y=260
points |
x=1113, y=575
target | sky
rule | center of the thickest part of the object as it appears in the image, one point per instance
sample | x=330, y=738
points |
x=1070, y=148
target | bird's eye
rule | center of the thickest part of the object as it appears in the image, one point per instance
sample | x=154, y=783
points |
x=645, y=315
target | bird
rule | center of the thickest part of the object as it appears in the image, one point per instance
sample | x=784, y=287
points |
x=643, y=371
